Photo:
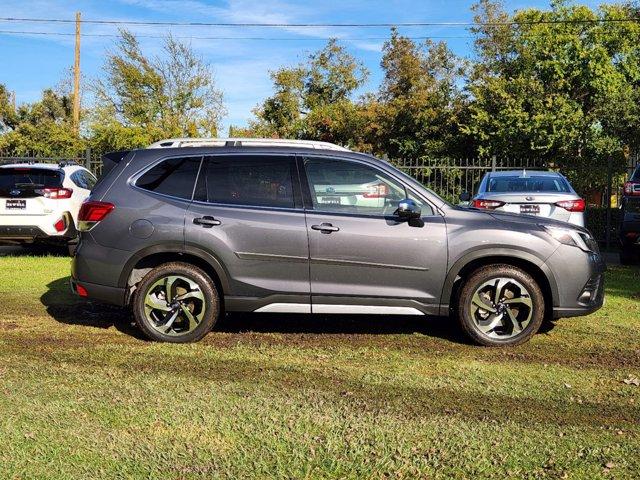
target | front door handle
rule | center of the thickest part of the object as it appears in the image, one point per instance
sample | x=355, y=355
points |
x=325, y=228
x=206, y=221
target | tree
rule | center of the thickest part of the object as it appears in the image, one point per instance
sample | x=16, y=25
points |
x=420, y=100
x=558, y=85
x=314, y=99
x=143, y=99
x=42, y=128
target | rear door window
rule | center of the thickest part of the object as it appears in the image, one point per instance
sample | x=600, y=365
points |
x=248, y=180
x=27, y=182
x=175, y=177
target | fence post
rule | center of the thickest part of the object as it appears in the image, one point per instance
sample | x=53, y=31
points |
x=493, y=163
x=609, y=181
x=87, y=158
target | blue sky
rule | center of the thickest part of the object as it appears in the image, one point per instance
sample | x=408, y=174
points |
x=241, y=67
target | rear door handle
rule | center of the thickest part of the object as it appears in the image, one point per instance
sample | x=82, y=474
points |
x=325, y=228
x=206, y=222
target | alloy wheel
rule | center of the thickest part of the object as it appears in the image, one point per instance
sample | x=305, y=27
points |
x=174, y=305
x=501, y=308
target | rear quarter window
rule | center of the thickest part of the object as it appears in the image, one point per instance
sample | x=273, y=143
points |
x=175, y=177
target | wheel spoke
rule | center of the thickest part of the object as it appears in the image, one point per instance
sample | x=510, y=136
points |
x=169, y=319
x=195, y=294
x=193, y=321
x=156, y=304
x=499, y=286
x=477, y=300
x=168, y=287
x=517, y=328
x=523, y=300
x=494, y=321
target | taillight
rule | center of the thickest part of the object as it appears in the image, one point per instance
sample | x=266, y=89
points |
x=572, y=205
x=91, y=213
x=55, y=193
x=488, y=204
x=632, y=188
x=60, y=225
x=376, y=191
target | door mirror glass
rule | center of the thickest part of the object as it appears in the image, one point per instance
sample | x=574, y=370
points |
x=408, y=209
x=465, y=197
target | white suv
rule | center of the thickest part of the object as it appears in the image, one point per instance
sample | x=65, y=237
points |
x=39, y=202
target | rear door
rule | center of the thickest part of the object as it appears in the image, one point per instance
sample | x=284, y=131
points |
x=363, y=258
x=247, y=212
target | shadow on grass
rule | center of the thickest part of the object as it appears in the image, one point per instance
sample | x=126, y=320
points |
x=64, y=307
x=34, y=251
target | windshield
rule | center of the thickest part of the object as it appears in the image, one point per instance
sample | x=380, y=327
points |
x=23, y=180
x=515, y=184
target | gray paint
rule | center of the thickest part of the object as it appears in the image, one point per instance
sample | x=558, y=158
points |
x=264, y=256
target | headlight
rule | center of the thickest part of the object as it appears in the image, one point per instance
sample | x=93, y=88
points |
x=573, y=237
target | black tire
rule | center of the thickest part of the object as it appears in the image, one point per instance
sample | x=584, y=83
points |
x=627, y=256
x=487, y=274
x=207, y=288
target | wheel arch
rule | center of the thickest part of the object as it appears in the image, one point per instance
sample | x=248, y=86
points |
x=523, y=260
x=151, y=257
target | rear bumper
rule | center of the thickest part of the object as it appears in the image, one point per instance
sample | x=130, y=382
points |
x=102, y=293
x=29, y=234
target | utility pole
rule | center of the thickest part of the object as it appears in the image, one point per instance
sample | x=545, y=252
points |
x=76, y=79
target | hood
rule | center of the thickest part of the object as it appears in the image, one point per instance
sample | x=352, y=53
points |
x=534, y=222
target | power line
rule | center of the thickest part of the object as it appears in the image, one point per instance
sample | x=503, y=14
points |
x=196, y=37
x=320, y=25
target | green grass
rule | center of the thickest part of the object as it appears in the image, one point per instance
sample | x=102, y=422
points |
x=82, y=396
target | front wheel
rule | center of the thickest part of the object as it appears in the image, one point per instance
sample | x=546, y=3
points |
x=176, y=302
x=500, y=305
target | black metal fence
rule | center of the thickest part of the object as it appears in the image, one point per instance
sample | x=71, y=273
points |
x=451, y=177
x=86, y=158
x=447, y=177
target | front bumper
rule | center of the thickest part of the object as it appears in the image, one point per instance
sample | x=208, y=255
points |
x=580, y=279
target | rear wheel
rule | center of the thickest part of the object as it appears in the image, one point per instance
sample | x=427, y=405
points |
x=500, y=305
x=176, y=302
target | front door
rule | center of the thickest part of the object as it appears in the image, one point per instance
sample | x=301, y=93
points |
x=247, y=212
x=364, y=259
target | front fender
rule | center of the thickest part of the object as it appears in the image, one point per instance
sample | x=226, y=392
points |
x=498, y=254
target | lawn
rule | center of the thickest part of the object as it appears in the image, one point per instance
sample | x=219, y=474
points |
x=83, y=396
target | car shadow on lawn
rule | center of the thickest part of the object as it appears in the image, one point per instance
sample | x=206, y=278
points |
x=66, y=308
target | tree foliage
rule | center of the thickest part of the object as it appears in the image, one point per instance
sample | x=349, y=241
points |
x=559, y=85
x=143, y=99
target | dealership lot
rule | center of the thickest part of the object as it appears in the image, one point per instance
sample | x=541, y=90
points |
x=83, y=395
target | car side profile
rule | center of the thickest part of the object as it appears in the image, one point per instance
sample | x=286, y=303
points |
x=40, y=202
x=534, y=192
x=187, y=230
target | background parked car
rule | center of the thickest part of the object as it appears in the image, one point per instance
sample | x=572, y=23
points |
x=540, y=193
x=630, y=226
x=39, y=202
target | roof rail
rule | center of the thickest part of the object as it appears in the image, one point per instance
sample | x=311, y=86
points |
x=244, y=142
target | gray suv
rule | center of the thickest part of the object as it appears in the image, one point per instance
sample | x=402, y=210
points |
x=184, y=233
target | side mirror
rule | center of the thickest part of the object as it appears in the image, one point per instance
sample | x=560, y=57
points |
x=465, y=197
x=408, y=209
